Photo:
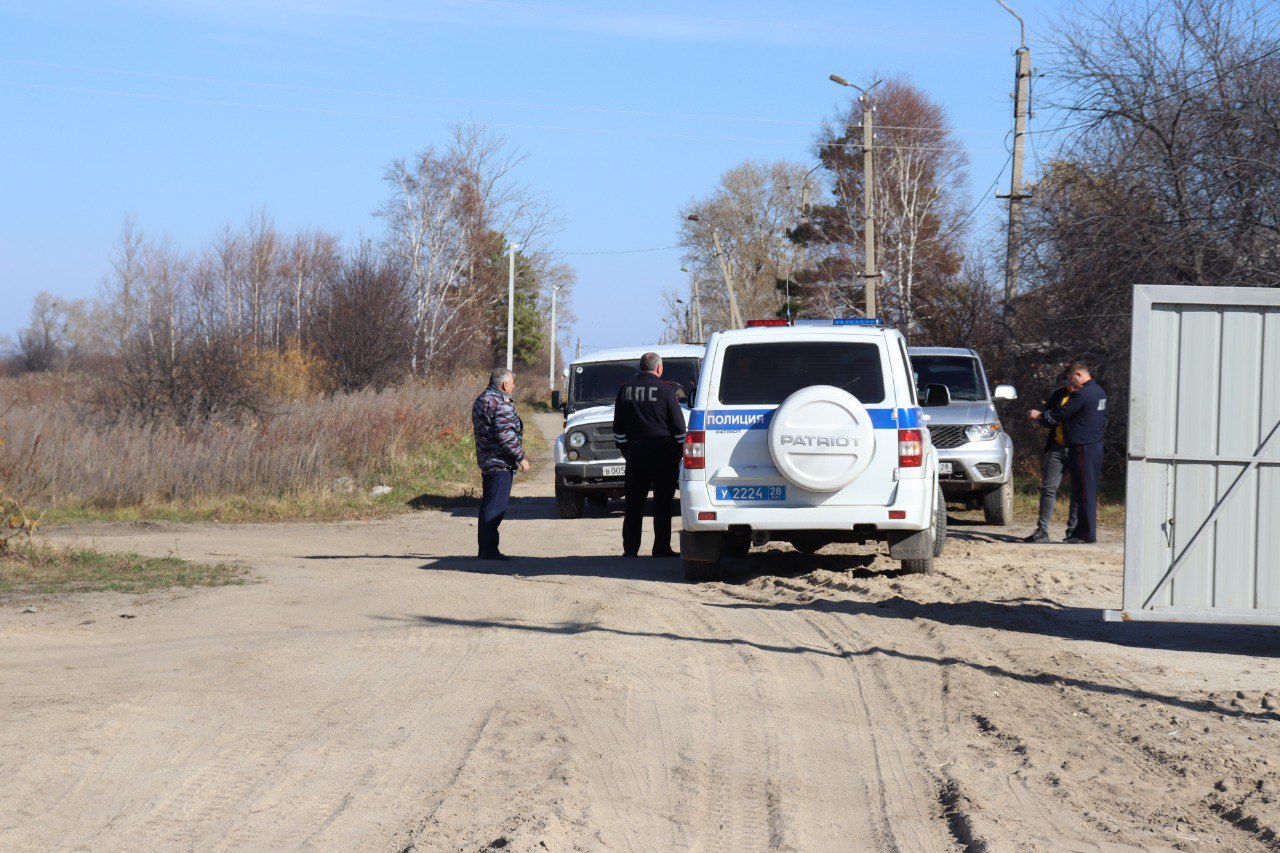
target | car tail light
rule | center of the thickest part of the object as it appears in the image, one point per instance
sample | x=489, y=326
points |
x=695, y=449
x=706, y=516
x=898, y=514
x=910, y=448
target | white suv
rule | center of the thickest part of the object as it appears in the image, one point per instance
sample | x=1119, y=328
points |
x=589, y=466
x=811, y=434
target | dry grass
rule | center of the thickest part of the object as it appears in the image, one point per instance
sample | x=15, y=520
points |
x=1026, y=503
x=44, y=571
x=316, y=457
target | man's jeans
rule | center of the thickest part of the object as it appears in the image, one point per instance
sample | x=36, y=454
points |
x=1055, y=463
x=493, y=506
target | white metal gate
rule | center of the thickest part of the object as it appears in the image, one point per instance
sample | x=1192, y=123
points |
x=1202, y=529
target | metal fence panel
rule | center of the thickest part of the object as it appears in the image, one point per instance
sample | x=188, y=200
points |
x=1202, y=533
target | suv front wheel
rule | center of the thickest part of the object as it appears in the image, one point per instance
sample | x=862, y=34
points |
x=940, y=526
x=997, y=505
x=570, y=504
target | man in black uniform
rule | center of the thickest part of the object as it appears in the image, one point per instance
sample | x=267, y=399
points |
x=1084, y=415
x=648, y=425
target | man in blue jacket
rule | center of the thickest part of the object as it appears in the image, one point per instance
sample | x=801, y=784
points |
x=1084, y=414
x=500, y=453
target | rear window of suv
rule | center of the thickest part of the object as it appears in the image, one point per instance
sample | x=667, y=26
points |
x=767, y=374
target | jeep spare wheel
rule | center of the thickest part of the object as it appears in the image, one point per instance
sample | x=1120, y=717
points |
x=821, y=438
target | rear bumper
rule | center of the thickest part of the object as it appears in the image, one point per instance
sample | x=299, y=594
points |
x=588, y=477
x=912, y=497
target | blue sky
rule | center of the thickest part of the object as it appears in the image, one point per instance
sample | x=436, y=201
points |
x=192, y=115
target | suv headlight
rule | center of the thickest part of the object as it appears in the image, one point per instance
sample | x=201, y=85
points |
x=982, y=432
x=577, y=439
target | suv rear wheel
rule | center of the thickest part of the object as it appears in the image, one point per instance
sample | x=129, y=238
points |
x=570, y=504
x=736, y=545
x=699, y=571
x=918, y=567
x=997, y=505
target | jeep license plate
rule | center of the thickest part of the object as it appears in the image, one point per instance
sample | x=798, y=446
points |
x=944, y=467
x=751, y=493
x=614, y=471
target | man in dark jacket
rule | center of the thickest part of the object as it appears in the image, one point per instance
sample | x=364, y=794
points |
x=1053, y=468
x=499, y=434
x=1084, y=415
x=648, y=425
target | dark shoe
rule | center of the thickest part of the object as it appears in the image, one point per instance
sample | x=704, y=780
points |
x=665, y=552
x=1038, y=536
x=1070, y=534
x=1077, y=541
x=629, y=554
x=496, y=555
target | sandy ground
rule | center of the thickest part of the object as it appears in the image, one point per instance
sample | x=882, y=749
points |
x=379, y=689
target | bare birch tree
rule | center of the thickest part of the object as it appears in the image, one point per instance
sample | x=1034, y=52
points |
x=441, y=219
x=752, y=210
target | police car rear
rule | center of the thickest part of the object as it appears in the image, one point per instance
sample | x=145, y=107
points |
x=811, y=434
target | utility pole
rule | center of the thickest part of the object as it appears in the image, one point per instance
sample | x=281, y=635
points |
x=511, y=304
x=555, y=343
x=735, y=316
x=1017, y=192
x=870, y=272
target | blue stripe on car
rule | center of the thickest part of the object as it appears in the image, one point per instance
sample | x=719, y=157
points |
x=736, y=420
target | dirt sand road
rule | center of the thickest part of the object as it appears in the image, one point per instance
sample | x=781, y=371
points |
x=378, y=690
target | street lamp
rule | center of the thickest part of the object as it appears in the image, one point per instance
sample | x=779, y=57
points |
x=688, y=323
x=697, y=305
x=735, y=316
x=804, y=218
x=869, y=275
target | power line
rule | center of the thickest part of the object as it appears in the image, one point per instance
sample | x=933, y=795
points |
x=985, y=197
x=618, y=251
x=688, y=19
x=1184, y=91
x=321, y=90
x=404, y=117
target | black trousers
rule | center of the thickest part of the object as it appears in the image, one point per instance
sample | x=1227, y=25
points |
x=1085, y=464
x=493, y=506
x=652, y=463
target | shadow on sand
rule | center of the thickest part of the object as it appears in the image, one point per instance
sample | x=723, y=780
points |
x=1039, y=678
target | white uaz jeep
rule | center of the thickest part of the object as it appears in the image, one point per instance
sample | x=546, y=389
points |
x=811, y=434
x=589, y=466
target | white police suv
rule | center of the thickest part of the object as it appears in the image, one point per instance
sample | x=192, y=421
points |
x=808, y=433
x=589, y=466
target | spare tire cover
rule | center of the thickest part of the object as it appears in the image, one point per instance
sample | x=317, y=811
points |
x=821, y=438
